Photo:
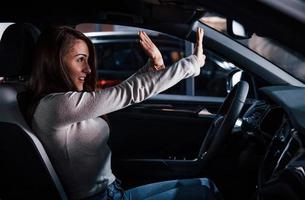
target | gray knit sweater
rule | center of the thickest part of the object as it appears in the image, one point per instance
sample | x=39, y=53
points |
x=75, y=137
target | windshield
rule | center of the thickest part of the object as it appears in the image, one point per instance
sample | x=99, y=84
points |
x=288, y=60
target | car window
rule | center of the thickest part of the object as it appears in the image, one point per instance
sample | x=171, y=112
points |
x=213, y=76
x=119, y=55
x=3, y=26
x=282, y=56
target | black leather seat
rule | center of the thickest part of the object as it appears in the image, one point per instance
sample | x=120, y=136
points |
x=25, y=169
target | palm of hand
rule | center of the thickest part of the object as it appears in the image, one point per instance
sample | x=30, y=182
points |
x=151, y=50
x=155, y=55
x=198, y=51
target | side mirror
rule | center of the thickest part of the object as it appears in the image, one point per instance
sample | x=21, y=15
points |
x=233, y=78
x=237, y=30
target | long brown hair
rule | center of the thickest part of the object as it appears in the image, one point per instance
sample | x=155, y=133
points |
x=49, y=73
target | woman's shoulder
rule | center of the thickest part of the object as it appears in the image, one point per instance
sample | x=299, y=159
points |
x=66, y=97
x=55, y=95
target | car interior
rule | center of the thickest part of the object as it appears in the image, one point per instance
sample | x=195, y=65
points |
x=250, y=142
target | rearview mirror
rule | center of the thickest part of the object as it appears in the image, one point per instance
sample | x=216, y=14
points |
x=237, y=30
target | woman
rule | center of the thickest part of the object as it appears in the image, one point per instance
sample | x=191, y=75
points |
x=66, y=111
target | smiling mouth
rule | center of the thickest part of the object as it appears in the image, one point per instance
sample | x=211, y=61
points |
x=82, y=79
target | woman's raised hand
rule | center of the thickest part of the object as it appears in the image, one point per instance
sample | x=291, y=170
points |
x=198, y=51
x=151, y=50
x=155, y=55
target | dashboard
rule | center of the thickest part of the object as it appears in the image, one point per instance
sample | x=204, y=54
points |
x=278, y=120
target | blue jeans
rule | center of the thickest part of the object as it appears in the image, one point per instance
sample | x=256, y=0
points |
x=189, y=189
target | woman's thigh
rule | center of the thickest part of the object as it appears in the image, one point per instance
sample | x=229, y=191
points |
x=197, y=188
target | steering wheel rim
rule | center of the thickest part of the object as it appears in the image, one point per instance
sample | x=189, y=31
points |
x=224, y=120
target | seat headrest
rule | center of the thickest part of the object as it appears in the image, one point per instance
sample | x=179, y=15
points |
x=16, y=49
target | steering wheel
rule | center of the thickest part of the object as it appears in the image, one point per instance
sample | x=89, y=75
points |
x=224, y=120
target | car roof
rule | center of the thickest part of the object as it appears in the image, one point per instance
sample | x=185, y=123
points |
x=282, y=20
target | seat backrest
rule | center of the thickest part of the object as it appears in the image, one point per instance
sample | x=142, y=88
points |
x=25, y=169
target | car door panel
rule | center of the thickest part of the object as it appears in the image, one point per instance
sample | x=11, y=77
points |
x=161, y=135
x=157, y=128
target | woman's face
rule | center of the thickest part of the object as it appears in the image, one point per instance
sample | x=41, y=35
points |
x=76, y=61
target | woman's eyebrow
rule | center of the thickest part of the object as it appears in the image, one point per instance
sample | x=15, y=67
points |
x=81, y=54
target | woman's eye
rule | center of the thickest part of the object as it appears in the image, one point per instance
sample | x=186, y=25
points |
x=80, y=59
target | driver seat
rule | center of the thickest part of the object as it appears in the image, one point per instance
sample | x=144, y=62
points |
x=25, y=169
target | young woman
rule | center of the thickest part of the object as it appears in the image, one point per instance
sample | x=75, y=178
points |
x=66, y=113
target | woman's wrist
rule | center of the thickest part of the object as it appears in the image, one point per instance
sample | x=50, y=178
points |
x=157, y=63
x=200, y=59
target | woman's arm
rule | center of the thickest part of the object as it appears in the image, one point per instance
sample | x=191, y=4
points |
x=70, y=107
x=77, y=106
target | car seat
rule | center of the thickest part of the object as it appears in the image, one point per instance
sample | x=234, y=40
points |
x=25, y=169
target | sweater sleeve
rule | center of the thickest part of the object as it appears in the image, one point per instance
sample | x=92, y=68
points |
x=71, y=107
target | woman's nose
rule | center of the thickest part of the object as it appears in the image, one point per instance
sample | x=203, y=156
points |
x=87, y=69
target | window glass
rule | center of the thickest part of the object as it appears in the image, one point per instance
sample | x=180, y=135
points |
x=119, y=55
x=3, y=26
x=213, y=76
x=285, y=58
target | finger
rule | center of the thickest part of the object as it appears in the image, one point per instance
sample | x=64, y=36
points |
x=147, y=37
x=147, y=48
x=144, y=45
x=144, y=36
x=148, y=40
x=199, y=35
x=144, y=40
